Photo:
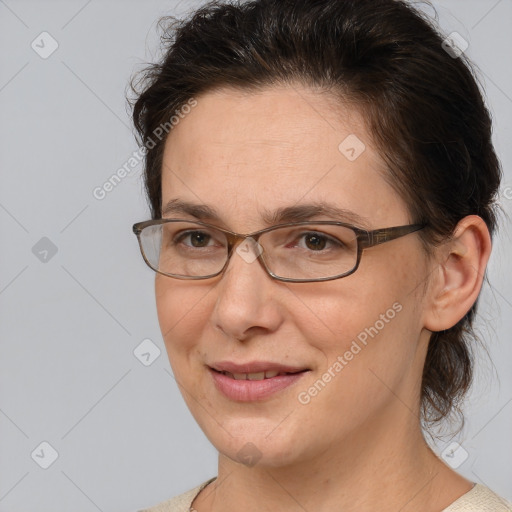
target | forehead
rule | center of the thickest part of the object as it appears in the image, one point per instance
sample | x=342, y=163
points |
x=239, y=151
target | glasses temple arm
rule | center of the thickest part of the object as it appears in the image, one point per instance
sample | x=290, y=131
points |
x=379, y=236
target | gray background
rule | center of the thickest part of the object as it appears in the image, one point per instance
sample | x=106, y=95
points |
x=70, y=322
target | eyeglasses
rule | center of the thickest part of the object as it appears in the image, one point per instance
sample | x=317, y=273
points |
x=295, y=252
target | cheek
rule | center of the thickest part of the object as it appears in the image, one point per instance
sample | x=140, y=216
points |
x=366, y=329
x=367, y=320
x=340, y=310
x=182, y=313
x=364, y=357
x=360, y=333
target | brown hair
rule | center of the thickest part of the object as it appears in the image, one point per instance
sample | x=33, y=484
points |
x=422, y=106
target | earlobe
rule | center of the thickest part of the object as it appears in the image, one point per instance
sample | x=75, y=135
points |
x=461, y=269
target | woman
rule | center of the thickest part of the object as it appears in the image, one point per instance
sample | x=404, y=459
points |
x=322, y=181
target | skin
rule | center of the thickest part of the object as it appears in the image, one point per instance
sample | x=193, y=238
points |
x=357, y=445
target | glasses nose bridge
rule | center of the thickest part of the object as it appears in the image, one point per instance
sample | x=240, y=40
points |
x=235, y=239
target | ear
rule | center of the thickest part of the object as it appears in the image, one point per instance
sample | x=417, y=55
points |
x=457, y=281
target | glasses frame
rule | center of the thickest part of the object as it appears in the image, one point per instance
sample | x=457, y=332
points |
x=365, y=240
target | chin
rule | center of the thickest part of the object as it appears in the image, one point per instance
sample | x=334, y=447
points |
x=251, y=441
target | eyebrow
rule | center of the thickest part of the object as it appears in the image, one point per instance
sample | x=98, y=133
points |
x=296, y=213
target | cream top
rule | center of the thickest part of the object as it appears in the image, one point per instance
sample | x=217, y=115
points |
x=479, y=499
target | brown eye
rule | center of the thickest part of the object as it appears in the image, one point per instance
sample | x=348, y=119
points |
x=194, y=239
x=199, y=239
x=315, y=242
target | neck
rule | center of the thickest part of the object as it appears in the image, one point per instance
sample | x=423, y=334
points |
x=385, y=465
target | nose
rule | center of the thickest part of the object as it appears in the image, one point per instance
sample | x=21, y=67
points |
x=246, y=302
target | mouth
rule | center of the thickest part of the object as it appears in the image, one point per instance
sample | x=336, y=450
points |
x=253, y=381
x=269, y=374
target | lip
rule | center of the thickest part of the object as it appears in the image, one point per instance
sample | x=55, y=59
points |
x=255, y=367
x=253, y=390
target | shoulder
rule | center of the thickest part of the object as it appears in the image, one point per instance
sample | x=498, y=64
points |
x=179, y=503
x=480, y=499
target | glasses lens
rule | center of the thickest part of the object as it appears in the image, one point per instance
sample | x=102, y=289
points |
x=312, y=251
x=184, y=249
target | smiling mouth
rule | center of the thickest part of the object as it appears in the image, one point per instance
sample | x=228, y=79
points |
x=254, y=386
x=257, y=375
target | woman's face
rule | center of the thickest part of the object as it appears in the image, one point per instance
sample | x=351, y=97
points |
x=360, y=339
